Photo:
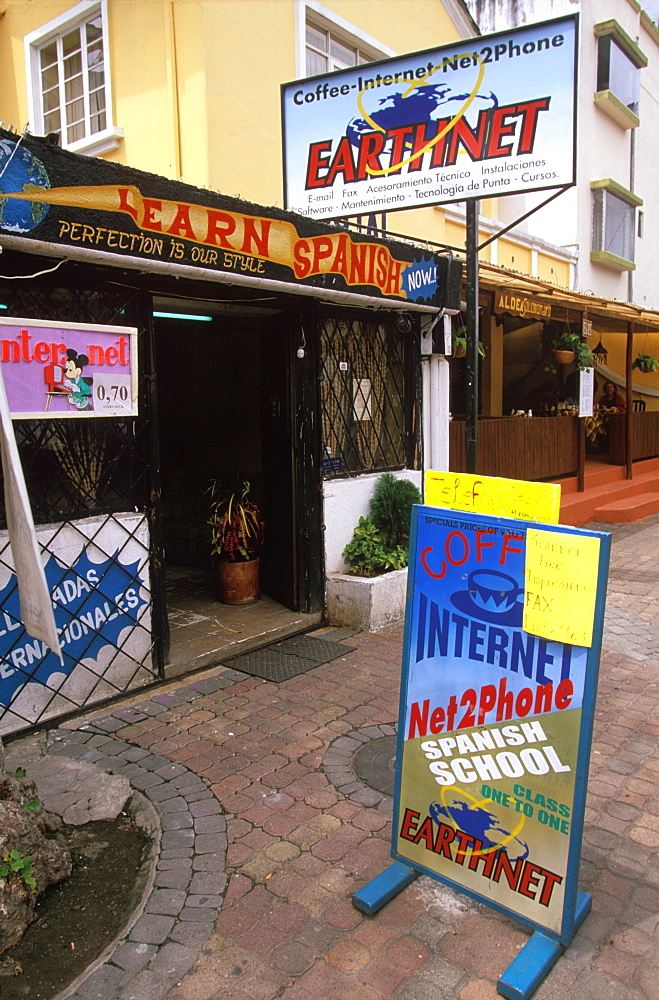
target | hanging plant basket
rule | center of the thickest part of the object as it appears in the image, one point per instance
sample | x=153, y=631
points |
x=459, y=352
x=645, y=364
x=563, y=357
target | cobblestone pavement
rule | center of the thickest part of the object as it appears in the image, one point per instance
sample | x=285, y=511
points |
x=275, y=764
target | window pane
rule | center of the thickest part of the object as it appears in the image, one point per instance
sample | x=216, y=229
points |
x=317, y=38
x=96, y=80
x=95, y=58
x=342, y=55
x=366, y=411
x=75, y=111
x=316, y=63
x=48, y=55
x=49, y=78
x=98, y=122
x=96, y=101
x=52, y=122
x=624, y=77
x=619, y=227
x=71, y=42
x=50, y=100
x=72, y=66
x=94, y=30
x=598, y=220
x=75, y=132
x=73, y=89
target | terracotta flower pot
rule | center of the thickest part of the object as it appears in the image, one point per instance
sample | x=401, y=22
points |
x=564, y=357
x=459, y=352
x=238, y=582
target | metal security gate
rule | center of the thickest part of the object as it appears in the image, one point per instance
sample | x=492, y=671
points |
x=369, y=376
x=92, y=487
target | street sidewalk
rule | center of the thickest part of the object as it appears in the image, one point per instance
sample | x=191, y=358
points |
x=304, y=831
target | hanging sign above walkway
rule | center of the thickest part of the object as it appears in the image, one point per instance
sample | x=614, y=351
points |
x=521, y=305
x=106, y=213
x=489, y=116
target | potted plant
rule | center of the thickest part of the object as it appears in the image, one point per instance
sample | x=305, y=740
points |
x=236, y=537
x=568, y=348
x=371, y=592
x=645, y=363
x=460, y=343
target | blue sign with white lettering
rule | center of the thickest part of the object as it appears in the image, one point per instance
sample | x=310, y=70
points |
x=93, y=604
x=420, y=280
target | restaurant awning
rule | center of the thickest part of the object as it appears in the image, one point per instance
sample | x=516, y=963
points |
x=562, y=303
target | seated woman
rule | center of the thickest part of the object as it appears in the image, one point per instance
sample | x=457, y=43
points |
x=611, y=400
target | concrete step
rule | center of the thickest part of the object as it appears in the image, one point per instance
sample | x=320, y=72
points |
x=608, y=474
x=628, y=509
x=595, y=476
x=579, y=508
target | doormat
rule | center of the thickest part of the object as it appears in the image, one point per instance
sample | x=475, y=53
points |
x=288, y=657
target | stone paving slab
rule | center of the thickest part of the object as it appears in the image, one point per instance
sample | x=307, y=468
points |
x=268, y=768
x=79, y=792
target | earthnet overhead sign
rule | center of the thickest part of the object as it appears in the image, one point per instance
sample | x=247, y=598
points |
x=489, y=116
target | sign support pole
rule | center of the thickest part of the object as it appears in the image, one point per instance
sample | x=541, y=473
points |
x=538, y=957
x=471, y=387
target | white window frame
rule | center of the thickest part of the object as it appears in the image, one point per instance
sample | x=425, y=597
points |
x=98, y=142
x=601, y=252
x=322, y=17
x=607, y=95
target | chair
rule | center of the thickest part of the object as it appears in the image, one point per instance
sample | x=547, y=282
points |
x=639, y=406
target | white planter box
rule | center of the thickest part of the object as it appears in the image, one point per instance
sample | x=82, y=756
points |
x=364, y=602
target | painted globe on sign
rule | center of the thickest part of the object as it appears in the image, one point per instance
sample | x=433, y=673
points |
x=482, y=825
x=20, y=171
x=425, y=103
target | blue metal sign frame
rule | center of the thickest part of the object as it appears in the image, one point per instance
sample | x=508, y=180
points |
x=465, y=584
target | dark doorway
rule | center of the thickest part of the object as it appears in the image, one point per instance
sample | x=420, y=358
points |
x=225, y=412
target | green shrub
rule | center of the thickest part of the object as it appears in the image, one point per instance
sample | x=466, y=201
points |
x=366, y=554
x=381, y=541
x=391, y=510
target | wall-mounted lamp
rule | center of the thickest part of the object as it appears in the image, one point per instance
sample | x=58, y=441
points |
x=600, y=353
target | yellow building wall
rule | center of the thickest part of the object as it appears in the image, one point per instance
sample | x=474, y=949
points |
x=555, y=270
x=196, y=85
x=616, y=345
x=514, y=256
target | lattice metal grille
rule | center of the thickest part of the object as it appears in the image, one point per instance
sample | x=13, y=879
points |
x=98, y=576
x=367, y=396
x=94, y=472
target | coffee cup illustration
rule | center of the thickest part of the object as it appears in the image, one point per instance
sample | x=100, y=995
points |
x=493, y=591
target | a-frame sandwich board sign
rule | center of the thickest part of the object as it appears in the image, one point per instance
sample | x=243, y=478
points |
x=501, y=653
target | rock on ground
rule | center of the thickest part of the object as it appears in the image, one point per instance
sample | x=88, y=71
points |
x=27, y=827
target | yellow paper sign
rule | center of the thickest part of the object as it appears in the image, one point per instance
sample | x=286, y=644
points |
x=560, y=586
x=494, y=496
